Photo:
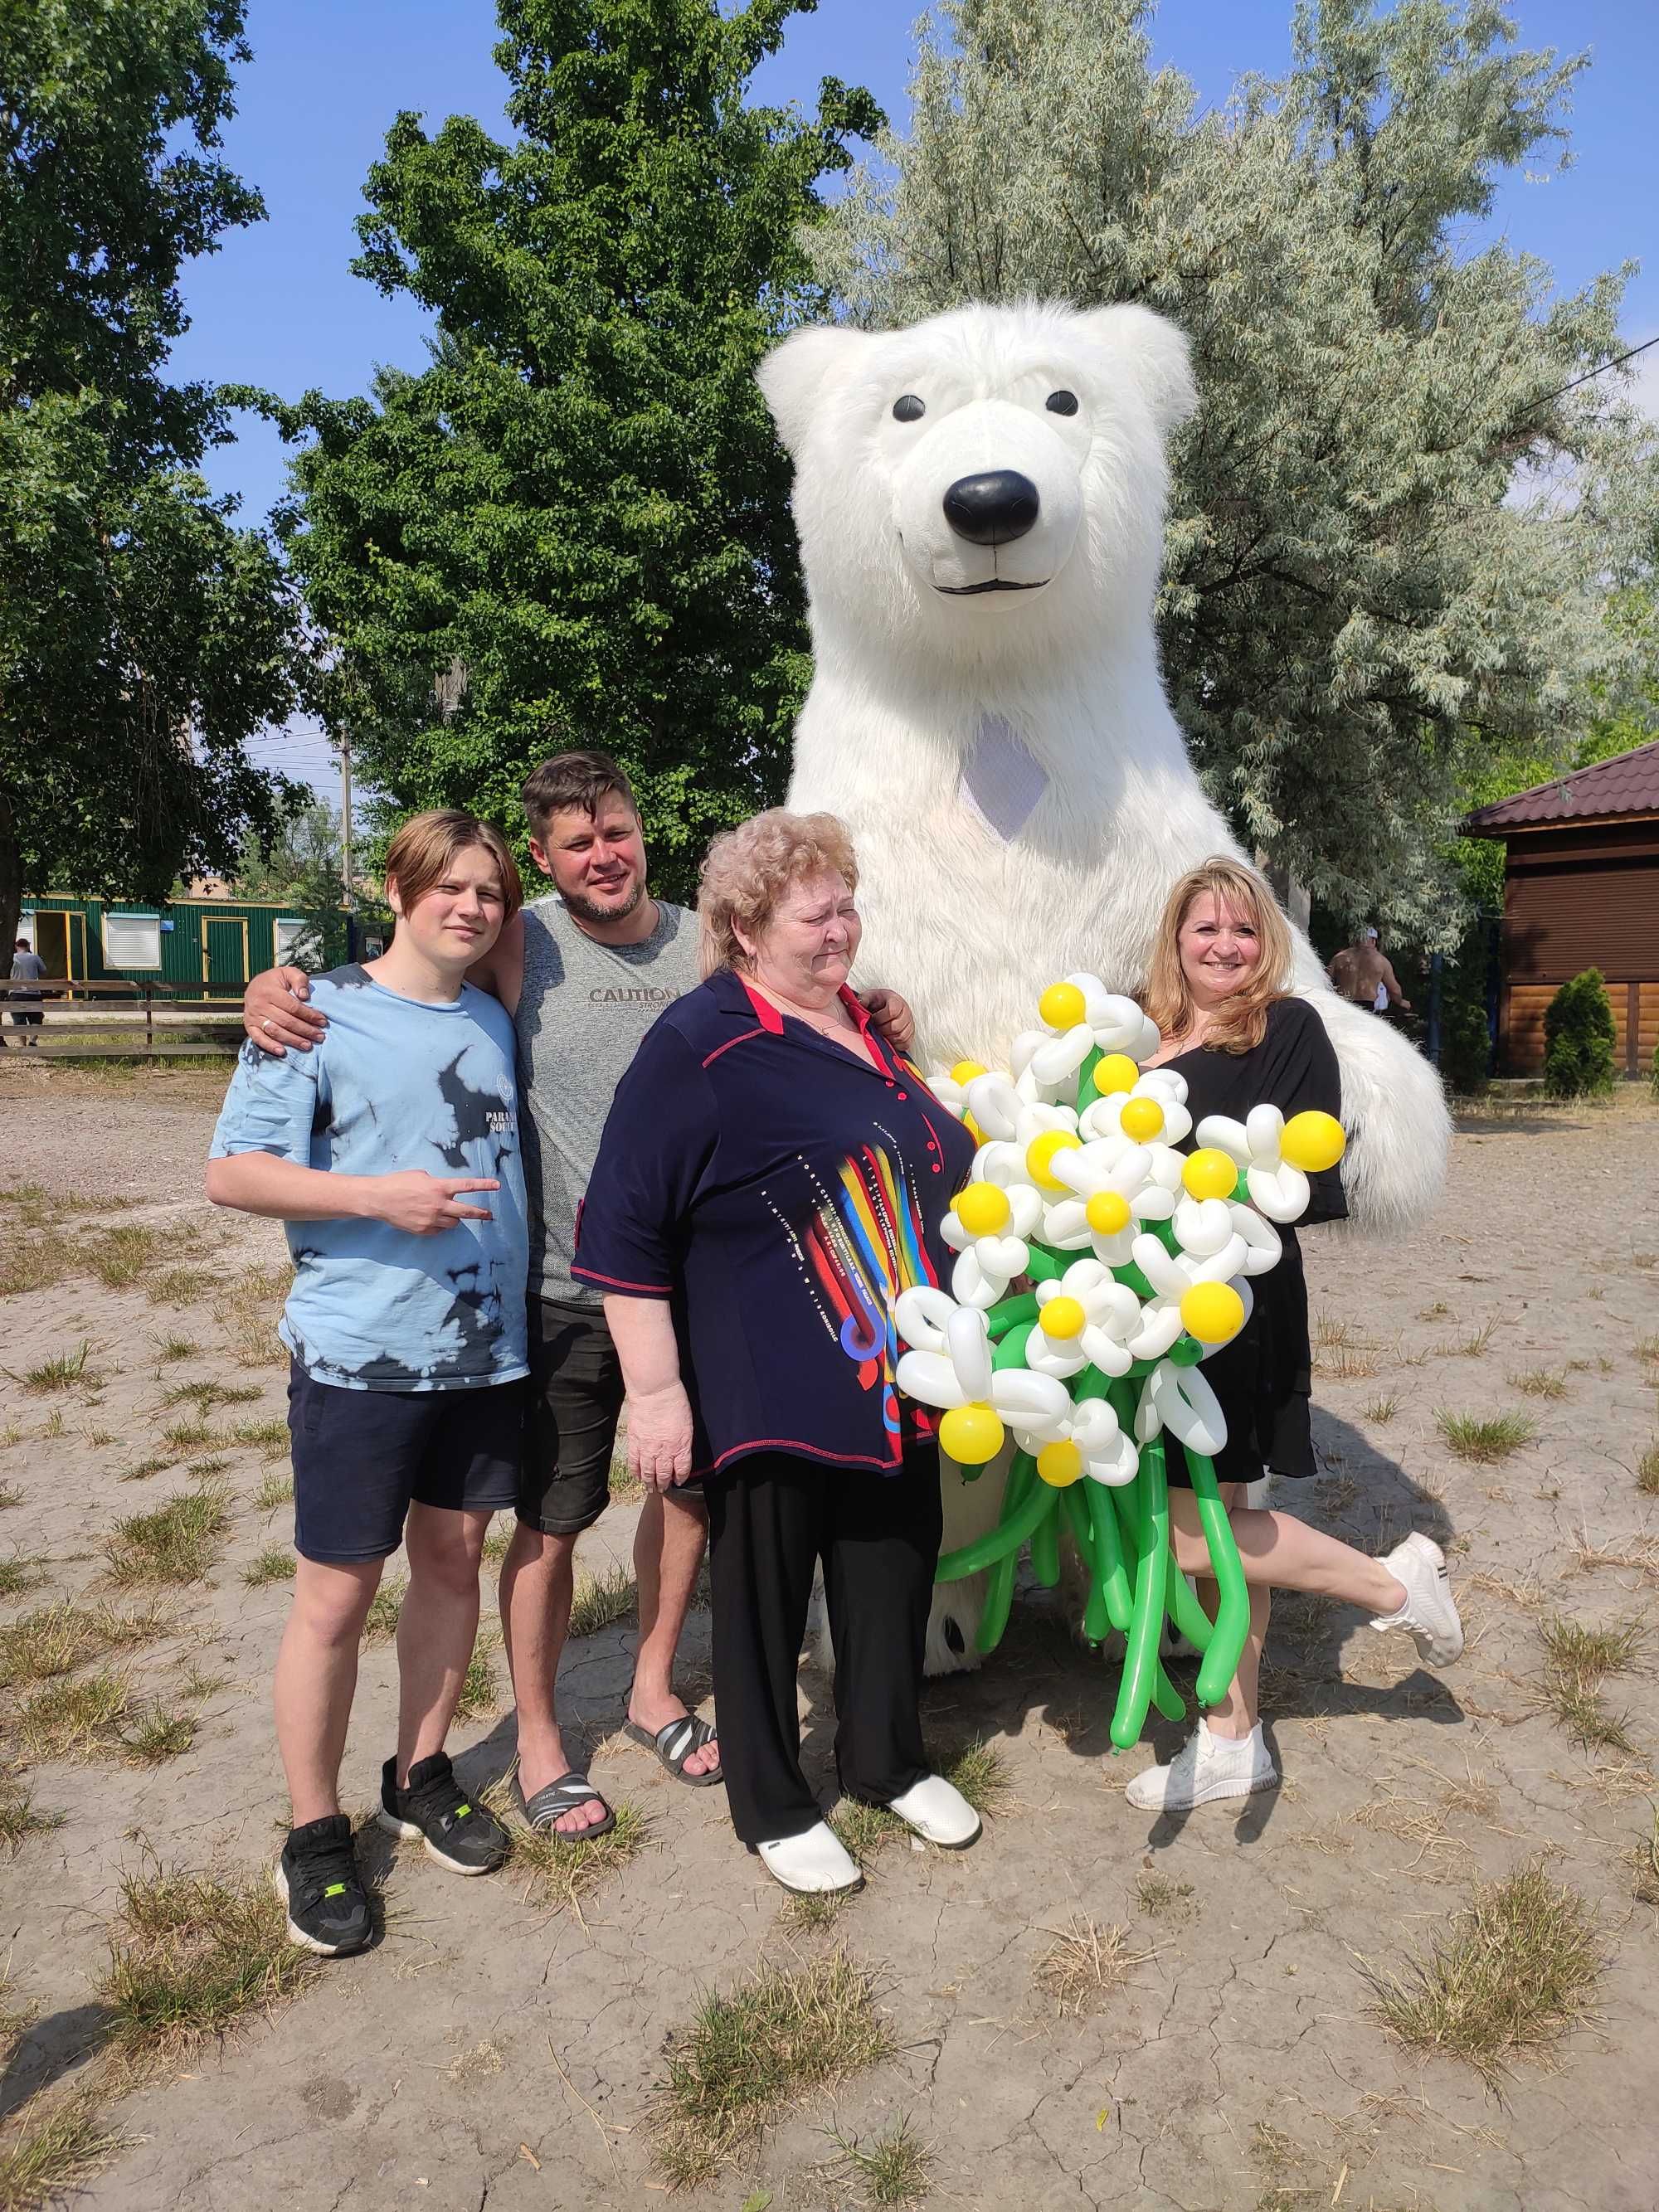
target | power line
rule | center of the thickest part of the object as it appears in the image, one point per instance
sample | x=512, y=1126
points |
x=1618, y=362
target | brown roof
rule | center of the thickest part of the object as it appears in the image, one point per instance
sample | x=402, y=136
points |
x=1626, y=784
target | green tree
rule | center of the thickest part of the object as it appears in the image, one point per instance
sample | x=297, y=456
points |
x=303, y=867
x=143, y=638
x=1375, y=577
x=572, y=527
x=1580, y=1039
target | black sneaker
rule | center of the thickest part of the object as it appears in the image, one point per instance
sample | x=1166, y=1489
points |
x=317, y=1879
x=459, y=1834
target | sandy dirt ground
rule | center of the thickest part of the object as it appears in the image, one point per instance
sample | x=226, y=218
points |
x=492, y=2050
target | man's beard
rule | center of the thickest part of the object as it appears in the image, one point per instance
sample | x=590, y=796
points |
x=586, y=910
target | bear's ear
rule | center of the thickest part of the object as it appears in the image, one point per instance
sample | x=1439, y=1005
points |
x=1150, y=353
x=794, y=376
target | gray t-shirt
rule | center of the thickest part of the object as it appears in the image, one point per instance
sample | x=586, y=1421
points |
x=28, y=968
x=583, y=1009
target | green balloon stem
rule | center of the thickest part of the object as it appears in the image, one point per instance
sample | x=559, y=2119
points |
x=1131, y=1277
x=1185, y=1351
x=1140, y=1660
x=1008, y=1312
x=1047, y=1267
x=1086, y=1093
x=1188, y=1615
x=1021, y=1513
x=1232, y=1619
x=998, y=1597
x=1109, y=1578
x=1165, y=1696
x=1011, y=1353
x=1045, y=1542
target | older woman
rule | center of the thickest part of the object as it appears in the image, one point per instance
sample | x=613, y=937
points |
x=771, y=1177
x=1219, y=991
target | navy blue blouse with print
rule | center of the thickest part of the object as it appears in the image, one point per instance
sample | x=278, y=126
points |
x=779, y=1191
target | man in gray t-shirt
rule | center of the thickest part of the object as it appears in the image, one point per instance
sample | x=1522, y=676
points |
x=27, y=967
x=585, y=973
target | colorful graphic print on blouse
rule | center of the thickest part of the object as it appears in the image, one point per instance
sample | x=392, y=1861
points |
x=864, y=1246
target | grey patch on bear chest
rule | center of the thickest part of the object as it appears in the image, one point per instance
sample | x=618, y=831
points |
x=1000, y=782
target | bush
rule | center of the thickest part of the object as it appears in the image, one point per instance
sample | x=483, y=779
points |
x=1465, y=1033
x=1579, y=1039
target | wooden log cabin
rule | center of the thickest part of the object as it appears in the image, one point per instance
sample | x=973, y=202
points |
x=1581, y=890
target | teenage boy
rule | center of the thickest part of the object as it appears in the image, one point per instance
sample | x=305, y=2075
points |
x=392, y=1154
x=585, y=973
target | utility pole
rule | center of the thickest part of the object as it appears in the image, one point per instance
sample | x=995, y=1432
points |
x=345, y=847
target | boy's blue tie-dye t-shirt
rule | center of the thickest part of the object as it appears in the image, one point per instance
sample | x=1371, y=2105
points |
x=396, y=1083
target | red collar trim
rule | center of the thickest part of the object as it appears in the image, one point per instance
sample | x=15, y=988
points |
x=765, y=1012
x=849, y=999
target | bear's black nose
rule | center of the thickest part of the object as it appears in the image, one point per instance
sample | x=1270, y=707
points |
x=993, y=509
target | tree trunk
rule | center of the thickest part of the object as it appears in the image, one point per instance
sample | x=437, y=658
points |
x=11, y=886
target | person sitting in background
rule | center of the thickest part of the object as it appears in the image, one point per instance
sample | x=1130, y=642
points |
x=406, y=1327
x=1362, y=972
x=770, y=1178
x=1219, y=992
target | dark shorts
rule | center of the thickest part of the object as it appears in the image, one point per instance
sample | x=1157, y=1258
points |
x=570, y=1426
x=362, y=1457
x=28, y=1017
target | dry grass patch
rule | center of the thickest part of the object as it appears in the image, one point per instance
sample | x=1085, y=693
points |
x=180, y=1286
x=270, y=1437
x=1646, y=1858
x=192, y=1956
x=18, y=1820
x=17, y=1575
x=381, y=1623
x=278, y=1490
x=176, y=1543
x=177, y=1348
x=1165, y=1900
x=77, y=1720
x=9, y=1495
x=1484, y=1442
x=69, y=1371
x=751, y=2056
x=1647, y=1471
x=250, y=1308
x=274, y=1565
x=1540, y=1382
x=119, y=1256
x=496, y=1544
x=1084, y=1966
x=1379, y=1410
x=892, y=2169
x=601, y=1600
x=207, y=1397
x=480, y=1686
x=57, y=1639
x=1524, y=1591
x=53, y=2151
x=160, y=1736
x=559, y=1873
x=1468, y=1348
x=625, y=1487
x=1577, y=1661
x=1512, y=1974
x=1646, y=1349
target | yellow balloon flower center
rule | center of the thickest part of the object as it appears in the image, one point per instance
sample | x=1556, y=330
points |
x=1212, y=1312
x=1209, y=1174
x=1040, y=1153
x=1062, y=1005
x=1108, y=1213
x=1312, y=1141
x=1062, y=1318
x=970, y=1435
x=1115, y=1071
x=1142, y=1120
x=982, y=1209
x=1059, y=1464
x=965, y=1072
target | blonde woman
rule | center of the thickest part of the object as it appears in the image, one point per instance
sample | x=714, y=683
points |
x=1219, y=992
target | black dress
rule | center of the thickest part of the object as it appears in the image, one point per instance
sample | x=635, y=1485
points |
x=1262, y=1378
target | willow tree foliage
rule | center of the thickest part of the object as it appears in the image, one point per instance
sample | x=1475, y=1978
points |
x=1391, y=526
x=144, y=637
x=572, y=527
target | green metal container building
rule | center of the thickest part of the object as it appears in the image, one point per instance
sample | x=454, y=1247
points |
x=207, y=948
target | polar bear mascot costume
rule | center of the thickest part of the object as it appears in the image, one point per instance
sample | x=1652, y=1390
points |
x=980, y=500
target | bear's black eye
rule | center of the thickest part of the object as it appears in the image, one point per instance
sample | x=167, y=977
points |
x=1061, y=403
x=908, y=409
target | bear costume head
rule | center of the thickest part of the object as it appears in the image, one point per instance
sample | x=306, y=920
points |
x=980, y=500
x=1015, y=459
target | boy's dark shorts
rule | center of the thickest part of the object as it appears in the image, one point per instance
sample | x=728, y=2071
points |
x=570, y=1426
x=362, y=1458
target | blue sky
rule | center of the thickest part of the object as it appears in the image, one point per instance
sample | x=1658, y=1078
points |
x=278, y=307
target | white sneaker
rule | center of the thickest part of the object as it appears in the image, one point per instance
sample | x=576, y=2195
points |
x=1207, y=1766
x=937, y=1809
x=1429, y=1611
x=812, y=1864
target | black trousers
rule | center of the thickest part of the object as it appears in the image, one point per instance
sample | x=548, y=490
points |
x=771, y=1518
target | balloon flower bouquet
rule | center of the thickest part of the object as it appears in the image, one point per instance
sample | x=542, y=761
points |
x=1139, y=1260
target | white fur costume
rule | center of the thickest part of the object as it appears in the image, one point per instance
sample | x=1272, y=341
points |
x=986, y=712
